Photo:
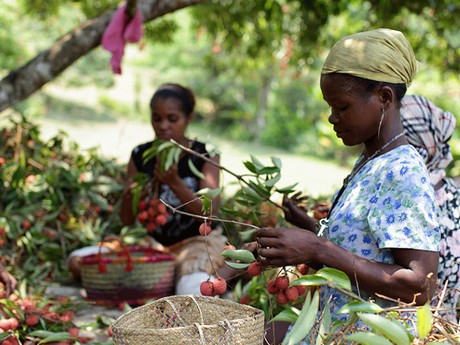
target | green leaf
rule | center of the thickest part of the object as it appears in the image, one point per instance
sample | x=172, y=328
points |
x=251, y=167
x=368, y=338
x=247, y=235
x=271, y=182
x=424, y=320
x=288, y=189
x=286, y=315
x=310, y=280
x=358, y=306
x=324, y=326
x=194, y=170
x=392, y=329
x=59, y=336
x=210, y=193
x=336, y=277
x=256, y=162
x=41, y=334
x=242, y=255
x=236, y=265
x=305, y=321
x=269, y=171
x=276, y=162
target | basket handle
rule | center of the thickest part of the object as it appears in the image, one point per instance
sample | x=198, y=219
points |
x=103, y=267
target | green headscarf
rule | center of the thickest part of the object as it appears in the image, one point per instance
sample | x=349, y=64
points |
x=380, y=55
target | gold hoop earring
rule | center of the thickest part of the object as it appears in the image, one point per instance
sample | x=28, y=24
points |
x=380, y=123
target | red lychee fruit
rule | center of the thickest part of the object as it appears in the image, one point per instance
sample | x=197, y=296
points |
x=150, y=227
x=205, y=229
x=142, y=217
x=281, y=298
x=207, y=288
x=161, y=208
x=301, y=289
x=272, y=288
x=161, y=219
x=142, y=205
x=245, y=300
x=254, y=269
x=291, y=293
x=229, y=246
x=303, y=269
x=220, y=286
x=32, y=320
x=26, y=225
x=73, y=332
x=282, y=282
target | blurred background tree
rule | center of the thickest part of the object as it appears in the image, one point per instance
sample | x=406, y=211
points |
x=254, y=65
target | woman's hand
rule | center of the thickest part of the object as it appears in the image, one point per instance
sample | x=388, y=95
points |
x=169, y=176
x=8, y=280
x=295, y=212
x=283, y=247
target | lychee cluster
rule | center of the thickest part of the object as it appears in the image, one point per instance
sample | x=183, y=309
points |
x=152, y=213
x=284, y=293
x=213, y=288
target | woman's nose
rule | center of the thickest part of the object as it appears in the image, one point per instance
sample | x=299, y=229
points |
x=332, y=118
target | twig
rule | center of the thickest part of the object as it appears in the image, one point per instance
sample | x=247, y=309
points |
x=238, y=177
x=205, y=218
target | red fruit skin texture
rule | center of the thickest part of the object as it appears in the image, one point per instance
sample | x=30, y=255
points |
x=254, y=269
x=291, y=293
x=220, y=286
x=204, y=229
x=282, y=282
x=245, y=300
x=301, y=289
x=303, y=268
x=207, y=288
x=281, y=298
x=32, y=320
x=272, y=288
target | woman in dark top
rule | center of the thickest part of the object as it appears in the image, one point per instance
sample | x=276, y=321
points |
x=172, y=107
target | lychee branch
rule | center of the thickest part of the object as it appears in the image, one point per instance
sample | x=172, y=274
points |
x=206, y=218
x=238, y=177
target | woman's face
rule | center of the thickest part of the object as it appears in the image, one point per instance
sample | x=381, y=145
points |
x=355, y=116
x=168, y=119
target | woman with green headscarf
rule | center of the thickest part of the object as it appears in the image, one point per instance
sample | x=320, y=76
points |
x=381, y=230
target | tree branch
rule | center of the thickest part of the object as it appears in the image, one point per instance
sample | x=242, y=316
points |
x=47, y=65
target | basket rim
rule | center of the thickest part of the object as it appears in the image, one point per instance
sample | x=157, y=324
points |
x=151, y=255
x=214, y=299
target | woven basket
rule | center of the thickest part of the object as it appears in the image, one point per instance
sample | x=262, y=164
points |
x=133, y=275
x=188, y=319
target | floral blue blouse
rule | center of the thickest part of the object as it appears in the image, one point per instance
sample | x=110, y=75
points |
x=388, y=204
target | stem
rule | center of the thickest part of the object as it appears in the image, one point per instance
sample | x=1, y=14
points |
x=238, y=177
x=205, y=218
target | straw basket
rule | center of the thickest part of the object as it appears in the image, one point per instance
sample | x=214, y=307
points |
x=190, y=320
x=133, y=275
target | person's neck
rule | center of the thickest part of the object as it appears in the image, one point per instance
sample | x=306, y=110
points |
x=387, y=142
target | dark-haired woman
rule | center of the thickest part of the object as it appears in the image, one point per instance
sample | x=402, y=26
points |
x=382, y=229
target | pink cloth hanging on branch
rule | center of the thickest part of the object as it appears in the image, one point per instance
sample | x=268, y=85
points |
x=118, y=32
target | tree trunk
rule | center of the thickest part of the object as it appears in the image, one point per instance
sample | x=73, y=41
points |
x=47, y=65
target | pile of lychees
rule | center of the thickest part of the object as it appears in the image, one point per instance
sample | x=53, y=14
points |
x=20, y=317
x=152, y=213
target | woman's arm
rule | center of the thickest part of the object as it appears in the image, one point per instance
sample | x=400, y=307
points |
x=411, y=277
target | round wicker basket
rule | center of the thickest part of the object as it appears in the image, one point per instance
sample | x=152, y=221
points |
x=188, y=319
